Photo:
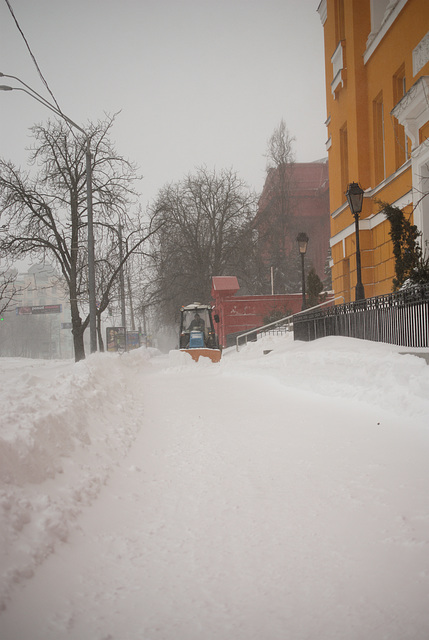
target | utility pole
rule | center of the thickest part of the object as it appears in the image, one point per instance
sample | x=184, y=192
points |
x=121, y=277
x=133, y=324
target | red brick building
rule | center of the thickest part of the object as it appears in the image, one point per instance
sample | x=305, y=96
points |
x=305, y=205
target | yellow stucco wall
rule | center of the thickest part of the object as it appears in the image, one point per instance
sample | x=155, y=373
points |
x=370, y=78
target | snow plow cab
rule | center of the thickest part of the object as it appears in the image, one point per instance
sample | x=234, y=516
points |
x=197, y=334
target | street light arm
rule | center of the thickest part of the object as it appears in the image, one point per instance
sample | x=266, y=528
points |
x=43, y=102
x=33, y=94
x=33, y=91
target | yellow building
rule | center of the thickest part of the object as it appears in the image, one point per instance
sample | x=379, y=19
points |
x=377, y=95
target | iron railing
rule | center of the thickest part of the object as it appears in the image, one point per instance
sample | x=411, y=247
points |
x=278, y=326
x=400, y=318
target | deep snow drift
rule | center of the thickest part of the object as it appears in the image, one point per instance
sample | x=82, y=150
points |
x=266, y=497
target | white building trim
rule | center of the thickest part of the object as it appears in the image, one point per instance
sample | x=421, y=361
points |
x=370, y=193
x=420, y=169
x=413, y=112
x=421, y=54
x=322, y=10
x=337, y=69
x=393, y=10
x=370, y=223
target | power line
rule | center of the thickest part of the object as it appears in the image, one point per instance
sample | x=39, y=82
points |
x=32, y=55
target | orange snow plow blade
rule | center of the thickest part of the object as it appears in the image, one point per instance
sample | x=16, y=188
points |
x=213, y=354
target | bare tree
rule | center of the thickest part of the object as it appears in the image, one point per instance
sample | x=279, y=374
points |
x=275, y=221
x=8, y=288
x=47, y=214
x=124, y=242
x=206, y=231
x=280, y=151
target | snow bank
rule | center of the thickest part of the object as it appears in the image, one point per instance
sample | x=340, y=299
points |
x=382, y=375
x=63, y=425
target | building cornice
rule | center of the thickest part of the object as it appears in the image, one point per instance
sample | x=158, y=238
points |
x=322, y=10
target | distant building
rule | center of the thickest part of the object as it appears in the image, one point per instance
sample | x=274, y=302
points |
x=377, y=88
x=37, y=324
x=293, y=200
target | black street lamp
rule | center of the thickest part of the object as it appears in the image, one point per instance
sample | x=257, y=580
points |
x=302, y=240
x=354, y=196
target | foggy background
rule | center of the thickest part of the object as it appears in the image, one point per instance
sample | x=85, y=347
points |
x=197, y=82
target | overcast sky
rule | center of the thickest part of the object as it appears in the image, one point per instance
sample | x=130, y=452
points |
x=196, y=81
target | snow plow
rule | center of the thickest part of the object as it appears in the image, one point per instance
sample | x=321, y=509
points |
x=197, y=334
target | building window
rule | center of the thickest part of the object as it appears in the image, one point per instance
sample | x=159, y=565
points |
x=401, y=142
x=379, y=149
x=338, y=57
x=344, y=159
x=378, y=12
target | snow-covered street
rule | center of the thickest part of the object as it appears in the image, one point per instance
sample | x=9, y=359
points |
x=267, y=497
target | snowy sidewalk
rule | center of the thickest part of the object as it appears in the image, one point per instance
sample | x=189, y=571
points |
x=251, y=499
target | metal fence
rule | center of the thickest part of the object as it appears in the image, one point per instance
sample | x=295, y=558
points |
x=277, y=327
x=400, y=318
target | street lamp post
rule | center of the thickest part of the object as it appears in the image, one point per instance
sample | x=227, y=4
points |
x=302, y=240
x=91, y=256
x=354, y=196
